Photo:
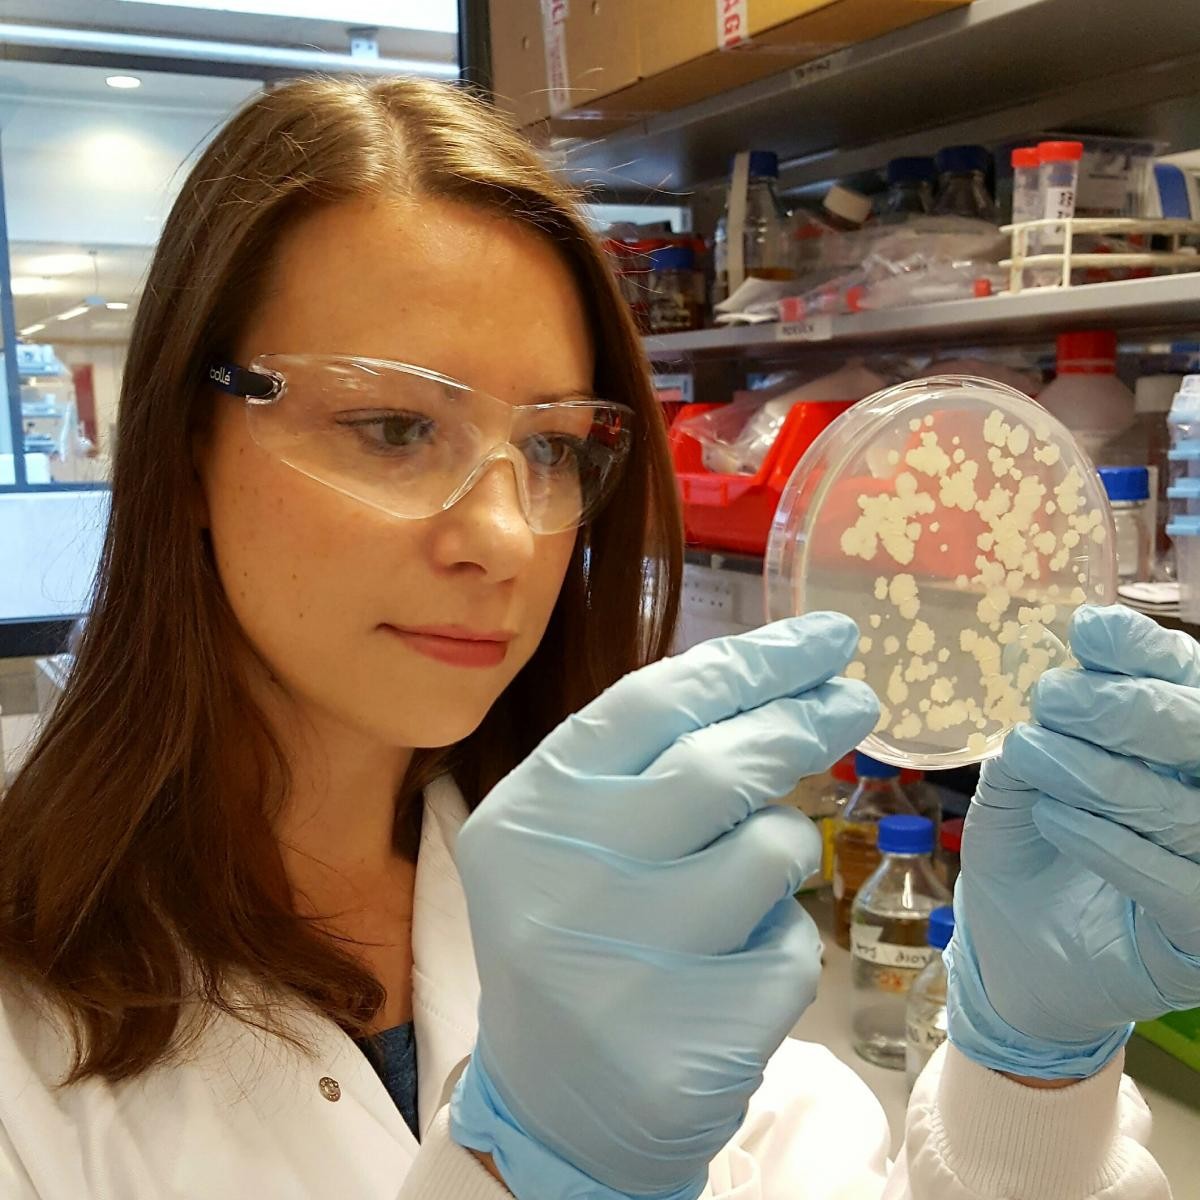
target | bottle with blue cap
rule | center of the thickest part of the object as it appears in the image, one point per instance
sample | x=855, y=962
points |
x=889, y=937
x=910, y=186
x=764, y=224
x=926, y=1010
x=962, y=183
x=1128, y=490
x=877, y=794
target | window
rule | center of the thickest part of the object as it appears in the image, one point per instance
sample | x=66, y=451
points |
x=90, y=171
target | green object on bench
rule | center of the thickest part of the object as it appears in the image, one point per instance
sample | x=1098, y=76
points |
x=1176, y=1033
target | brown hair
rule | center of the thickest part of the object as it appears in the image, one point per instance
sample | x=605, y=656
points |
x=137, y=864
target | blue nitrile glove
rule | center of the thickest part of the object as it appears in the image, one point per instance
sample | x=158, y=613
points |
x=630, y=894
x=1078, y=907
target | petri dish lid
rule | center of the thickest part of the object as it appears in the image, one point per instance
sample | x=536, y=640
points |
x=960, y=525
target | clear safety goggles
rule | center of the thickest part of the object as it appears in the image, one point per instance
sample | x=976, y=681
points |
x=412, y=442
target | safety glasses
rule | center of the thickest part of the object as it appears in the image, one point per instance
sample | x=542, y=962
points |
x=412, y=442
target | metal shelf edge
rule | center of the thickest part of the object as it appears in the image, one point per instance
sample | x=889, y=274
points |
x=1133, y=304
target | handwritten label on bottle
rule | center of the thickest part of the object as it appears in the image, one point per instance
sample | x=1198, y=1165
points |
x=865, y=943
x=927, y=1035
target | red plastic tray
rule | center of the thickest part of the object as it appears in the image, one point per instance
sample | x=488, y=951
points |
x=734, y=512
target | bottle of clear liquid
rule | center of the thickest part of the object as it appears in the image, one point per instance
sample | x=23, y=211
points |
x=1128, y=491
x=926, y=1012
x=962, y=183
x=910, y=186
x=855, y=854
x=889, y=937
x=766, y=239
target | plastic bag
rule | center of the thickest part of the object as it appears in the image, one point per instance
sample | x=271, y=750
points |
x=921, y=261
x=738, y=436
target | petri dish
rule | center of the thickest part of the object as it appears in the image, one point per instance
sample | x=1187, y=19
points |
x=960, y=525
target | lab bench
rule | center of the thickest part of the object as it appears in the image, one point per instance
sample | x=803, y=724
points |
x=1171, y=1089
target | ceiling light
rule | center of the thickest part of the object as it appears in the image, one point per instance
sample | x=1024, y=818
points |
x=123, y=81
x=31, y=285
x=71, y=313
x=116, y=305
x=33, y=329
x=55, y=264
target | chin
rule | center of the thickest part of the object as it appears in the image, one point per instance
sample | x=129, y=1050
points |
x=428, y=726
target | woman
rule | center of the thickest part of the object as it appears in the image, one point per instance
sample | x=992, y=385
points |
x=390, y=495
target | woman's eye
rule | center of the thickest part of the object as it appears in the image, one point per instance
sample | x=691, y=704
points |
x=392, y=431
x=552, y=451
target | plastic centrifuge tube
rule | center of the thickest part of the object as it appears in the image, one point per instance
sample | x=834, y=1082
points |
x=1058, y=179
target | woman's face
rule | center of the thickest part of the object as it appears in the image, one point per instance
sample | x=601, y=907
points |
x=350, y=607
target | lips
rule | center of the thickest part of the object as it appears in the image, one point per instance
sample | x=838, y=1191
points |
x=455, y=645
x=456, y=633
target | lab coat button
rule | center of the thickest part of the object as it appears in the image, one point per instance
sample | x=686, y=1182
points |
x=330, y=1088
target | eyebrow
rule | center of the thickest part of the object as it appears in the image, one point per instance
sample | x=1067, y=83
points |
x=585, y=397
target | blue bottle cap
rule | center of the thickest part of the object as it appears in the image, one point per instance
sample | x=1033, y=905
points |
x=911, y=170
x=941, y=927
x=954, y=160
x=673, y=258
x=866, y=767
x=1126, y=483
x=764, y=162
x=906, y=835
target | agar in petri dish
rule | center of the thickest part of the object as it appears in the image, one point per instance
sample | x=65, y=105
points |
x=960, y=525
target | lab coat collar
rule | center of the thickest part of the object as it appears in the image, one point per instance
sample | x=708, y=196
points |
x=445, y=982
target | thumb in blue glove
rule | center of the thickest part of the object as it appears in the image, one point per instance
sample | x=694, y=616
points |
x=630, y=895
x=1078, y=908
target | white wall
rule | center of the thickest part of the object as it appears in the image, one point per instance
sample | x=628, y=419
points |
x=97, y=173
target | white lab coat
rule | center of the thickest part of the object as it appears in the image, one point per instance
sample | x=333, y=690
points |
x=245, y=1115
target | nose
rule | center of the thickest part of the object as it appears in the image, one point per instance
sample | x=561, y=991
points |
x=486, y=528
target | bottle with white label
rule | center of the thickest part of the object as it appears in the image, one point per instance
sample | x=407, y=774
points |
x=927, y=999
x=889, y=943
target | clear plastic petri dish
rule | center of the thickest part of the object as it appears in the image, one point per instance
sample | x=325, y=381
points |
x=960, y=525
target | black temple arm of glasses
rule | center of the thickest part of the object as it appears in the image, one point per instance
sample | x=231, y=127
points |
x=241, y=381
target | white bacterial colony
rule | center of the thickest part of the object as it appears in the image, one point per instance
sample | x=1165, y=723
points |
x=953, y=656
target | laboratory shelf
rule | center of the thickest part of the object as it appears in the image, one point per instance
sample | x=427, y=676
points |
x=1134, y=306
x=983, y=73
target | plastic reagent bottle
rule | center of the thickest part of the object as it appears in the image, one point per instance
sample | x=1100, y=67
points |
x=1148, y=441
x=1128, y=490
x=766, y=235
x=889, y=938
x=1086, y=396
x=855, y=854
x=926, y=1020
x=962, y=186
x=910, y=186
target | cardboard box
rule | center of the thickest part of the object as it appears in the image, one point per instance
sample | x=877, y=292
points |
x=553, y=56
x=586, y=66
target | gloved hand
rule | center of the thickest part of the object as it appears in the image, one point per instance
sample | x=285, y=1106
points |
x=1078, y=907
x=630, y=894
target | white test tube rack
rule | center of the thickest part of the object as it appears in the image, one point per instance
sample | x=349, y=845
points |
x=1064, y=259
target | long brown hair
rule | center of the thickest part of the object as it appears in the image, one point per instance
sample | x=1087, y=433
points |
x=137, y=864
